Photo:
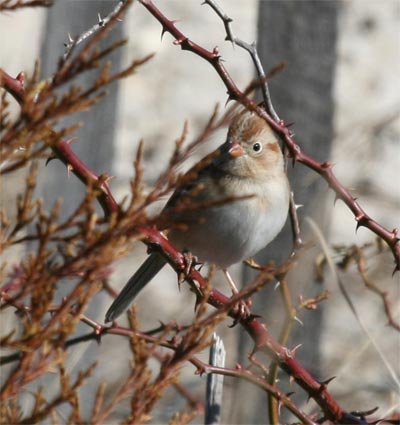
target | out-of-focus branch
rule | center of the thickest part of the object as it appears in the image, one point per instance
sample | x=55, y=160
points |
x=11, y=5
x=62, y=150
x=273, y=407
x=356, y=254
x=370, y=285
x=295, y=224
x=324, y=169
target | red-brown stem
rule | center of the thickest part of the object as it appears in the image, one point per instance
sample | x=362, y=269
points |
x=62, y=150
x=259, y=333
x=14, y=86
x=322, y=168
x=64, y=153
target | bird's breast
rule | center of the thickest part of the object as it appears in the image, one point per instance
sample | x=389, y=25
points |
x=229, y=233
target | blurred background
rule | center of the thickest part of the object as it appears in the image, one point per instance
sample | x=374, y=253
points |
x=340, y=89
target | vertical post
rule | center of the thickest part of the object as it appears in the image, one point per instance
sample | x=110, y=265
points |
x=94, y=141
x=214, y=389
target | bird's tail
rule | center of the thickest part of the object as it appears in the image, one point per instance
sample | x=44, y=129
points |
x=154, y=263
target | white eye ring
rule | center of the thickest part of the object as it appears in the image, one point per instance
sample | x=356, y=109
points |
x=257, y=147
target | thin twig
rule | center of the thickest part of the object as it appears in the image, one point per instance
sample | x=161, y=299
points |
x=290, y=314
x=102, y=22
x=252, y=50
x=357, y=254
x=295, y=224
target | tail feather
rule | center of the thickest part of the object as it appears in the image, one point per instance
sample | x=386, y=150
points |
x=154, y=263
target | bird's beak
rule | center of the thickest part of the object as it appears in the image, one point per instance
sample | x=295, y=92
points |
x=235, y=150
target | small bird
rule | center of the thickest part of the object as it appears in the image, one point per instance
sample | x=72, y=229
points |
x=231, y=205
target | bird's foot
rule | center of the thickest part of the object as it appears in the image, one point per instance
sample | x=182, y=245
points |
x=190, y=261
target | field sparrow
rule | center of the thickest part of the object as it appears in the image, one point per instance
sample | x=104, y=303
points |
x=247, y=173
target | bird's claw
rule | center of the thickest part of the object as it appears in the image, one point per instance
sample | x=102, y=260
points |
x=243, y=312
x=189, y=261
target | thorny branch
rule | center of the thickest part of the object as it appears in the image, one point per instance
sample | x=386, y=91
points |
x=102, y=22
x=324, y=169
x=252, y=50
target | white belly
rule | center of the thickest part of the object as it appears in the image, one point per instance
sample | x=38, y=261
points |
x=230, y=233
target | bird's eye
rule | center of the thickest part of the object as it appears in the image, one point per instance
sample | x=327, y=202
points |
x=257, y=147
